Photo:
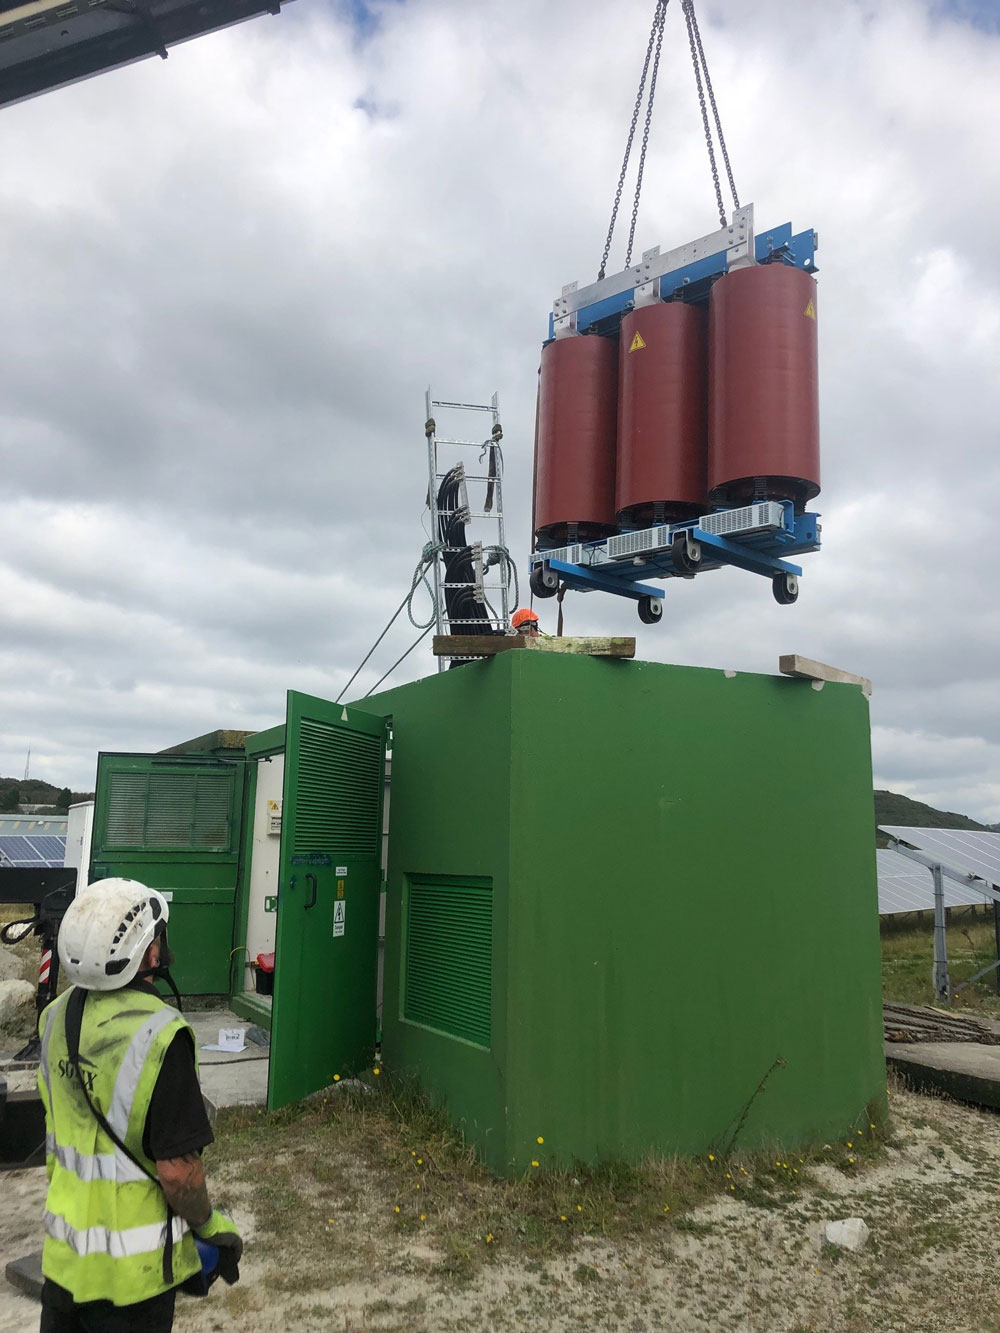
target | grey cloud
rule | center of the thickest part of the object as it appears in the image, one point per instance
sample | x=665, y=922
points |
x=229, y=278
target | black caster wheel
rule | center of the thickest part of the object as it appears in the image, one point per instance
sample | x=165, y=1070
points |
x=686, y=554
x=650, y=610
x=544, y=582
x=785, y=588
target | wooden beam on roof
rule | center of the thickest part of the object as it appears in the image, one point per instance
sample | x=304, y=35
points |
x=488, y=645
x=791, y=664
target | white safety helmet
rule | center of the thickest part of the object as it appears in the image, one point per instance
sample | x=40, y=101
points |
x=106, y=931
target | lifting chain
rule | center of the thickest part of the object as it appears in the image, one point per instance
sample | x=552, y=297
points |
x=703, y=82
x=701, y=67
x=661, y=11
x=655, y=38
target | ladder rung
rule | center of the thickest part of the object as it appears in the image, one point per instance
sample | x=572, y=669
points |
x=464, y=407
x=469, y=477
x=470, y=444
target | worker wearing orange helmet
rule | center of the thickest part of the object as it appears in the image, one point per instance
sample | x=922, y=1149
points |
x=525, y=622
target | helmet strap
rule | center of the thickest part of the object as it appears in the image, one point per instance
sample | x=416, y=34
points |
x=162, y=969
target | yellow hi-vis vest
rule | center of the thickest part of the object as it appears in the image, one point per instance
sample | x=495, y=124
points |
x=105, y=1221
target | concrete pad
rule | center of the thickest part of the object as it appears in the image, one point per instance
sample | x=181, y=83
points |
x=963, y=1069
x=228, y=1079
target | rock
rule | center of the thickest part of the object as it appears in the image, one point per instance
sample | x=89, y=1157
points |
x=17, y=1002
x=11, y=967
x=850, y=1234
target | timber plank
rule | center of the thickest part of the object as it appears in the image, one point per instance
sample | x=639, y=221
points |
x=488, y=645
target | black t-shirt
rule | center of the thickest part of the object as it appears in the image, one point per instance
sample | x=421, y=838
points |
x=176, y=1122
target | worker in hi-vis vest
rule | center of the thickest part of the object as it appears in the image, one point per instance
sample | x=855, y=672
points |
x=125, y=1124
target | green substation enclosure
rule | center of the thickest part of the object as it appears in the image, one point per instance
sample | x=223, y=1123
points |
x=619, y=894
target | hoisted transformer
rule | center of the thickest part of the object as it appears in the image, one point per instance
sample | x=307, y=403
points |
x=575, y=441
x=763, y=435
x=709, y=351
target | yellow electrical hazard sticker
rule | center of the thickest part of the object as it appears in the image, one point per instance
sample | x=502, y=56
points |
x=340, y=888
x=810, y=310
x=637, y=343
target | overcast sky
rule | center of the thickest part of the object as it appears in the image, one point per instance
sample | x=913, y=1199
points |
x=228, y=278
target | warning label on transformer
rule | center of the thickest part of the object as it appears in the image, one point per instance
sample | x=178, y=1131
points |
x=637, y=343
x=339, y=912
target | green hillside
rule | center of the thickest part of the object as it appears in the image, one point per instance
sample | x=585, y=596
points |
x=891, y=808
x=15, y=791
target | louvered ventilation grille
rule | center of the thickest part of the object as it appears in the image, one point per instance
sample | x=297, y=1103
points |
x=170, y=810
x=449, y=947
x=337, y=803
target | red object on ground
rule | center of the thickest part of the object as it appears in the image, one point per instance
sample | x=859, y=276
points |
x=763, y=422
x=662, y=415
x=575, y=448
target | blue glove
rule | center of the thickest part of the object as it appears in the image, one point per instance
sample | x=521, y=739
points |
x=220, y=1231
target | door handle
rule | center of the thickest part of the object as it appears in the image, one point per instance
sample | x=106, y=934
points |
x=311, y=881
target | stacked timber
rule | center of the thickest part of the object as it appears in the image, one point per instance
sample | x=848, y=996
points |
x=917, y=1022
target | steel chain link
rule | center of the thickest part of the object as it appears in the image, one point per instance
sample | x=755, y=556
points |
x=657, y=24
x=689, y=8
x=688, y=15
x=661, y=13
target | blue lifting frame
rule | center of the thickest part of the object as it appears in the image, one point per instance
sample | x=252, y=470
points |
x=613, y=565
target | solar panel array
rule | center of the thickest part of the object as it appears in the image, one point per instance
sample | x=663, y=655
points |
x=906, y=886
x=40, y=851
x=965, y=850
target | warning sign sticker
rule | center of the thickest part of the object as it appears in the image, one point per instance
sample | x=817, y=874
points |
x=811, y=310
x=638, y=342
x=339, y=912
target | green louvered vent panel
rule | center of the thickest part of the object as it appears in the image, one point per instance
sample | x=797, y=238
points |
x=449, y=950
x=340, y=790
x=170, y=810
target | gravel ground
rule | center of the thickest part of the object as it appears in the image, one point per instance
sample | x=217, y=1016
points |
x=729, y=1265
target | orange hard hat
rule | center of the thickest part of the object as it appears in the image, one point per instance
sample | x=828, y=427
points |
x=522, y=617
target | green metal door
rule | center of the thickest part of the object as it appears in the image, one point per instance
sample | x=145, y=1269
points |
x=173, y=822
x=326, y=952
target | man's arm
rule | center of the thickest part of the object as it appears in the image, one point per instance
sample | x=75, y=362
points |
x=183, y=1182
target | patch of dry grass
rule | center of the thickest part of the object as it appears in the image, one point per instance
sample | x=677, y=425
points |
x=359, y=1171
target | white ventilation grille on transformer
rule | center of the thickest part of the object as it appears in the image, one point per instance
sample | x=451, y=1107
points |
x=570, y=555
x=765, y=516
x=638, y=543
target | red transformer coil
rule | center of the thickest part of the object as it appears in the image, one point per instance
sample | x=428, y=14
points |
x=662, y=415
x=763, y=420
x=575, y=438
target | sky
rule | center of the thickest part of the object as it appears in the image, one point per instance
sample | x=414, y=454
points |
x=228, y=278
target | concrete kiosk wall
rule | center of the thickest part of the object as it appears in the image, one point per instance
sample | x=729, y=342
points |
x=681, y=875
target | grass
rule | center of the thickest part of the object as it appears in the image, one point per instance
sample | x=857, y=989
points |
x=908, y=955
x=385, y=1156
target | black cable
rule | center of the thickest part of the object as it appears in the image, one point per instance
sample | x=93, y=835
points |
x=465, y=614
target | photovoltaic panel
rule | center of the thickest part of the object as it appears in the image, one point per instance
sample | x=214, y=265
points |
x=43, y=851
x=965, y=850
x=905, y=886
x=49, y=846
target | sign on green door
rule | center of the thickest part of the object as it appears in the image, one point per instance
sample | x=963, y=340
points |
x=323, y=1010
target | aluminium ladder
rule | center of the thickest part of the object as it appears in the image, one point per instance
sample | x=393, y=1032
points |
x=487, y=487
